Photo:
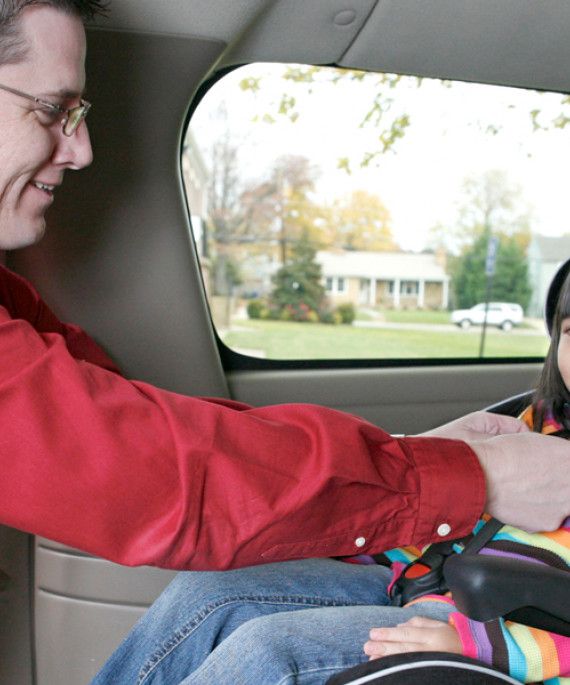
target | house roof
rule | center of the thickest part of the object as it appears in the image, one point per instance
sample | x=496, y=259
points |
x=382, y=265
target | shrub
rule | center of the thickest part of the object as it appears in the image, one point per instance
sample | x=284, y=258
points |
x=257, y=309
x=273, y=312
x=347, y=312
x=301, y=312
x=331, y=317
x=312, y=317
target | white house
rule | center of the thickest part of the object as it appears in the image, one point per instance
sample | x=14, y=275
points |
x=545, y=254
x=387, y=279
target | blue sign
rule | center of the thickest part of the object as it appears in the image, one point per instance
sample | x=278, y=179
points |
x=491, y=255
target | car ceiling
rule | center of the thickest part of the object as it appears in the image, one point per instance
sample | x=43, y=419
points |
x=512, y=42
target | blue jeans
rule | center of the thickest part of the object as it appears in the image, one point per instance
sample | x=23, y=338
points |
x=282, y=624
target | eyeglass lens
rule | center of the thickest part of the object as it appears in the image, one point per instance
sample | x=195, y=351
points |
x=75, y=117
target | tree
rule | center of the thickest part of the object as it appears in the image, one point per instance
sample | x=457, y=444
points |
x=297, y=284
x=391, y=125
x=226, y=218
x=493, y=206
x=509, y=282
x=280, y=210
x=380, y=112
x=360, y=222
x=492, y=202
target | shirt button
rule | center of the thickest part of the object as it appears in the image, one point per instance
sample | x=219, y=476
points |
x=360, y=542
x=444, y=529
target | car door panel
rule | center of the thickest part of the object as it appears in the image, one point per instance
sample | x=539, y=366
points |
x=399, y=399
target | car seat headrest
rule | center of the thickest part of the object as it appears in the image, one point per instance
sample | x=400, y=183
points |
x=553, y=293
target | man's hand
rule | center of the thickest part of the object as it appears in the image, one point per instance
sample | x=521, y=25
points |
x=419, y=634
x=528, y=479
x=480, y=425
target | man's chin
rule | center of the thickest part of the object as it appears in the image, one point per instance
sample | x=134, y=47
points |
x=20, y=238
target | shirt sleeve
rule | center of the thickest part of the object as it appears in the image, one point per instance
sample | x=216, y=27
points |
x=527, y=654
x=139, y=475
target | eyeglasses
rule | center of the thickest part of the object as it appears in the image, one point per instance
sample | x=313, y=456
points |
x=72, y=117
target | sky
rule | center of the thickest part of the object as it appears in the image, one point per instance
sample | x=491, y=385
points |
x=420, y=180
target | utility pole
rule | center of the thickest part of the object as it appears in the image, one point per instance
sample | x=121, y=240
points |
x=492, y=248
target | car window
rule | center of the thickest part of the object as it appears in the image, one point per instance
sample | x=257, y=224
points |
x=345, y=215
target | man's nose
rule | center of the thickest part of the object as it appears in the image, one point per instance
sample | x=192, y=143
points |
x=75, y=151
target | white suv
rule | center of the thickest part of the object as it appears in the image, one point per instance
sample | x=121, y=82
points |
x=505, y=315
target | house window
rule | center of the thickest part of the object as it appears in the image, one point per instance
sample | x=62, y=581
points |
x=409, y=288
x=284, y=212
x=336, y=285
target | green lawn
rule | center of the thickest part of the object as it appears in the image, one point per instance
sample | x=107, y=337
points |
x=288, y=340
x=415, y=316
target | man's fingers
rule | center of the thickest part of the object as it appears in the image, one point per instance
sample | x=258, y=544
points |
x=479, y=426
x=499, y=424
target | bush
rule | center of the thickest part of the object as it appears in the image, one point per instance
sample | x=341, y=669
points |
x=347, y=312
x=257, y=309
x=273, y=313
x=301, y=312
x=312, y=317
x=331, y=317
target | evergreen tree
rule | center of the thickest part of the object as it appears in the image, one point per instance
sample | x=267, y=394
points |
x=297, y=284
x=510, y=280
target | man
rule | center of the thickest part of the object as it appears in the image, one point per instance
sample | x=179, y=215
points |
x=143, y=476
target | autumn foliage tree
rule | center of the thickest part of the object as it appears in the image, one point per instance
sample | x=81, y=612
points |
x=360, y=221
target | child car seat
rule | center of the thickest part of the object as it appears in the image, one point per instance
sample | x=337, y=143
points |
x=520, y=590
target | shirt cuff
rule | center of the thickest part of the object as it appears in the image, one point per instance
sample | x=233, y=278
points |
x=452, y=488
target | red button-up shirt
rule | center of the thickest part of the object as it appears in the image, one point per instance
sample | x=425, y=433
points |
x=139, y=475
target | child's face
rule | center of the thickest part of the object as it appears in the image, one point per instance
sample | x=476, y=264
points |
x=564, y=352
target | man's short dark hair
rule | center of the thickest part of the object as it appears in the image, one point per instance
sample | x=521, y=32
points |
x=12, y=45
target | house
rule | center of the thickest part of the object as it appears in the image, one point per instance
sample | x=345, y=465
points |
x=545, y=254
x=398, y=280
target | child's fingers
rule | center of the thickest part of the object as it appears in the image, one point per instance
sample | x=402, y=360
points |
x=403, y=630
x=416, y=635
x=379, y=649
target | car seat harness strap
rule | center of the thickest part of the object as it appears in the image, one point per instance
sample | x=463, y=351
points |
x=425, y=576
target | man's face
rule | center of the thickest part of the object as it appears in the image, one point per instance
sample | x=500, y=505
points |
x=34, y=152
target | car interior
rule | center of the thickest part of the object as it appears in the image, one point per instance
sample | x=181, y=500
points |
x=122, y=256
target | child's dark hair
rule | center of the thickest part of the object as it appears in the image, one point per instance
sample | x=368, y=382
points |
x=551, y=392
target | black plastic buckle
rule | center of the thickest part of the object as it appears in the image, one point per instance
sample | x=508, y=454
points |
x=432, y=582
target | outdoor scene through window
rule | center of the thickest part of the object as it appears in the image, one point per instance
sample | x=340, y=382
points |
x=339, y=214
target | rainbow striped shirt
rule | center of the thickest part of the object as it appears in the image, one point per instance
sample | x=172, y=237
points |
x=527, y=654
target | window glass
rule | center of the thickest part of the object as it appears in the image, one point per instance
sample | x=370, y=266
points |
x=341, y=214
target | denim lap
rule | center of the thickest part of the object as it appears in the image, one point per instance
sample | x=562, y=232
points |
x=303, y=647
x=208, y=626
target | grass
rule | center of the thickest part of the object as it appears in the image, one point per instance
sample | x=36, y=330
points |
x=289, y=340
x=420, y=316
x=411, y=316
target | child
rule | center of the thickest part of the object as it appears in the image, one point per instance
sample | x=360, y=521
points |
x=527, y=654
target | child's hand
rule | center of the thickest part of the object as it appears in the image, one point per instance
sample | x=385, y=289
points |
x=419, y=634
